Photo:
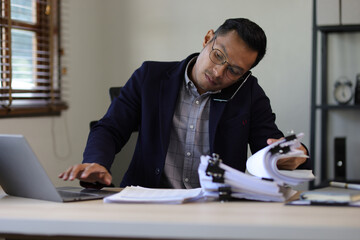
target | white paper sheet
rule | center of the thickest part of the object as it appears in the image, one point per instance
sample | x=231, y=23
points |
x=263, y=164
x=136, y=194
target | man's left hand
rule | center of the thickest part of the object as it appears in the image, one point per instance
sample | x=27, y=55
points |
x=289, y=163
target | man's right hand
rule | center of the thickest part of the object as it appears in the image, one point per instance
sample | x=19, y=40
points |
x=87, y=172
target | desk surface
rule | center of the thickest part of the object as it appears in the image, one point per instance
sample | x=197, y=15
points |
x=214, y=220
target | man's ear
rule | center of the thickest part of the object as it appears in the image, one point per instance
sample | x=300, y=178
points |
x=209, y=35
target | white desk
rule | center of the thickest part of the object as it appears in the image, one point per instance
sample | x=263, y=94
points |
x=21, y=217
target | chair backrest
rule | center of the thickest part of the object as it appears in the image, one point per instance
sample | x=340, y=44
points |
x=113, y=92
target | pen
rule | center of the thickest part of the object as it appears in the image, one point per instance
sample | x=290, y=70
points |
x=345, y=185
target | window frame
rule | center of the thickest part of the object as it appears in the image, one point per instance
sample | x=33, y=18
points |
x=46, y=98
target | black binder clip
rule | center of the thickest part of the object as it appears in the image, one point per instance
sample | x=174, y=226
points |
x=280, y=150
x=284, y=147
x=213, y=169
x=290, y=137
x=224, y=193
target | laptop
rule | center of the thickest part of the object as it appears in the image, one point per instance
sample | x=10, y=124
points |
x=22, y=175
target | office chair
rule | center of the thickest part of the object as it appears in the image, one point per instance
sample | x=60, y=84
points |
x=113, y=92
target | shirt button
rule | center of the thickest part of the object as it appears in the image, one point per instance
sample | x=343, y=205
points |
x=191, y=126
x=157, y=171
x=186, y=180
x=197, y=102
x=188, y=154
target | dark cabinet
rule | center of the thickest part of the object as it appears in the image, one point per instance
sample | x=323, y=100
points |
x=328, y=144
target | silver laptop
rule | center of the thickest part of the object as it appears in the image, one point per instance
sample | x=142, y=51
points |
x=22, y=175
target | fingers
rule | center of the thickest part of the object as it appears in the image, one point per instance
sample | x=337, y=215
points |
x=105, y=178
x=273, y=140
x=65, y=175
x=95, y=173
x=72, y=172
x=88, y=172
x=290, y=163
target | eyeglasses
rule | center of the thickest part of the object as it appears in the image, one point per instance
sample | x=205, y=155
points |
x=219, y=58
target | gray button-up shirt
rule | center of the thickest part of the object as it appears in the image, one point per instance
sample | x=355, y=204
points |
x=189, y=137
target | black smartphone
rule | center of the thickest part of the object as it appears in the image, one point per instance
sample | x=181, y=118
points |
x=229, y=93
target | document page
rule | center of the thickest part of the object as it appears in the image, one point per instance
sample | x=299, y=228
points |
x=136, y=194
x=263, y=163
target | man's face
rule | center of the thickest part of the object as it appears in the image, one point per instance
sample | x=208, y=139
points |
x=208, y=76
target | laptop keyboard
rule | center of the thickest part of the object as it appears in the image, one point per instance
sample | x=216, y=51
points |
x=103, y=193
x=68, y=193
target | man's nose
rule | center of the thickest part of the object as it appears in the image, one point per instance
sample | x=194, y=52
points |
x=219, y=70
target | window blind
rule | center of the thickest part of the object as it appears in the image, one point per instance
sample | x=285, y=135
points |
x=30, y=58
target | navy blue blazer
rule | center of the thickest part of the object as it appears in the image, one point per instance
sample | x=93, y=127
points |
x=147, y=101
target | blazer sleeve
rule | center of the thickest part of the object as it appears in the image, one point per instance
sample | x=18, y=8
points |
x=112, y=131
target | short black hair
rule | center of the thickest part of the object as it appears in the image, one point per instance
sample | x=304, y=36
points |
x=252, y=34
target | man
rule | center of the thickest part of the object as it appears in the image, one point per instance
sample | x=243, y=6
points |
x=207, y=103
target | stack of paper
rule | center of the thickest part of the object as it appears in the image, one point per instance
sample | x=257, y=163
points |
x=267, y=182
x=263, y=164
x=136, y=194
x=242, y=185
x=331, y=195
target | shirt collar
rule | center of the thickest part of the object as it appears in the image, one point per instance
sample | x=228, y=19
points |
x=187, y=79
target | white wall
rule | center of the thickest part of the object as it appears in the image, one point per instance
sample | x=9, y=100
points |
x=171, y=30
x=106, y=40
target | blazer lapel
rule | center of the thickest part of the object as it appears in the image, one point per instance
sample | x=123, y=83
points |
x=216, y=111
x=169, y=91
